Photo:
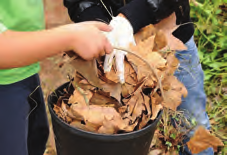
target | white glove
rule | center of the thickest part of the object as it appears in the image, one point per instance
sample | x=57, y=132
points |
x=120, y=36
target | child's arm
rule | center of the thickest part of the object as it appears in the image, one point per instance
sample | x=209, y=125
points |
x=23, y=48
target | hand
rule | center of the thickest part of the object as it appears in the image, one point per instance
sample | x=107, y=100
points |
x=120, y=36
x=88, y=40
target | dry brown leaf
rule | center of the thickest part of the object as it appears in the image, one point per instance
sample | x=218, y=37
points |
x=113, y=125
x=80, y=96
x=88, y=69
x=168, y=25
x=155, y=108
x=114, y=89
x=84, y=84
x=163, y=32
x=65, y=108
x=95, y=114
x=107, y=128
x=175, y=92
x=112, y=75
x=155, y=152
x=173, y=99
x=139, y=108
x=127, y=89
x=156, y=60
x=103, y=99
x=145, y=33
x=71, y=115
x=77, y=124
x=202, y=140
x=109, y=86
x=144, y=72
x=122, y=109
x=160, y=40
x=172, y=64
x=56, y=109
x=147, y=104
x=92, y=126
x=144, y=121
x=131, y=105
x=80, y=81
x=79, y=111
x=59, y=112
x=157, y=99
x=139, y=86
x=126, y=100
x=131, y=127
x=130, y=73
x=142, y=49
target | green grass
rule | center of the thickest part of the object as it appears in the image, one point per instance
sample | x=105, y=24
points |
x=210, y=18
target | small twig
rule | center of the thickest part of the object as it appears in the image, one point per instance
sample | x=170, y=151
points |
x=36, y=104
x=185, y=23
x=151, y=67
x=156, y=88
x=102, y=20
x=106, y=8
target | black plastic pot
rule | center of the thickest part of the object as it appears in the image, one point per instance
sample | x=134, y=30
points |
x=72, y=141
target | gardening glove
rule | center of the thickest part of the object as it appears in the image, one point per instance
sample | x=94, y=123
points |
x=120, y=36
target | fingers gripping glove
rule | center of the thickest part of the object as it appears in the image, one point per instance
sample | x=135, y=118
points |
x=120, y=36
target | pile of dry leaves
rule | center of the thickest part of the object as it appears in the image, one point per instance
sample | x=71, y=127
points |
x=100, y=104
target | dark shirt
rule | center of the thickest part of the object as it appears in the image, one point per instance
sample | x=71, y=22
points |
x=139, y=12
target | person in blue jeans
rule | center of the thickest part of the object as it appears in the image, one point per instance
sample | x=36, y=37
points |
x=127, y=17
x=190, y=73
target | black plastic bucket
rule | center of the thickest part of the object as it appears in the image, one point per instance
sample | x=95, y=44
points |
x=72, y=141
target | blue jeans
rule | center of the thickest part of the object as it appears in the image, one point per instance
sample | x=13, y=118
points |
x=190, y=73
x=24, y=127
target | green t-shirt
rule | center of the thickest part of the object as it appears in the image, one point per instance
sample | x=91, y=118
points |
x=20, y=15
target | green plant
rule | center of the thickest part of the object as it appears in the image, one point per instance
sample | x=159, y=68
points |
x=210, y=34
x=210, y=19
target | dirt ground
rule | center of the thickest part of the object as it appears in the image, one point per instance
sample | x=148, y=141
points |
x=51, y=75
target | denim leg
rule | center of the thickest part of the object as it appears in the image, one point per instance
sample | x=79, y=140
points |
x=190, y=73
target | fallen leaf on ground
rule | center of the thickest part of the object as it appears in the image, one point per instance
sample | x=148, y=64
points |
x=202, y=140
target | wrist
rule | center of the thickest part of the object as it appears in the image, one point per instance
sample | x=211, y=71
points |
x=121, y=15
x=65, y=38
